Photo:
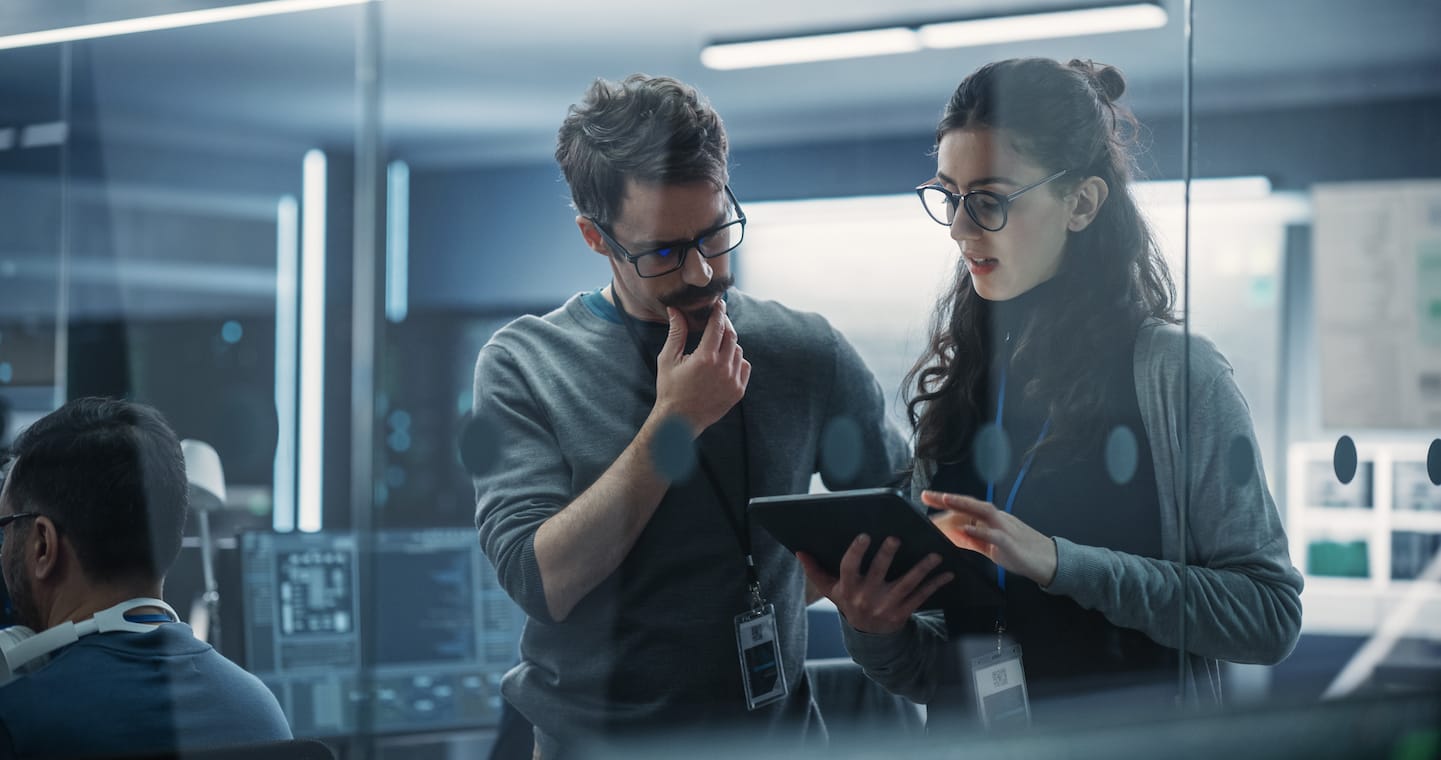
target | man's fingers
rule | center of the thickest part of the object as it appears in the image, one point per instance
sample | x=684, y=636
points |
x=908, y=582
x=674, y=346
x=727, y=345
x=851, y=562
x=919, y=597
x=737, y=356
x=715, y=329
x=881, y=563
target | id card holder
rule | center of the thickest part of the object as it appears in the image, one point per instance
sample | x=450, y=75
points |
x=760, y=656
x=1000, y=687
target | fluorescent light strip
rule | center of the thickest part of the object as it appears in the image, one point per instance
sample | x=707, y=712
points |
x=1038, y=26
x=1211, y=189
x=312, y=344
x=168, y=21
x=397, y=241
x=287, y=270
x=42, y=135
x=816, y=47
x=949, y=34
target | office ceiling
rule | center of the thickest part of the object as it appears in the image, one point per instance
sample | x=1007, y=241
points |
x=484, y=82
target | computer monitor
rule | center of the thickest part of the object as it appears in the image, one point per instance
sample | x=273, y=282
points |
x=443, y=633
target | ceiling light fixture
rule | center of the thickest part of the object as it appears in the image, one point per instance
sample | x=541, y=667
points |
x=992, y=30
x=811, y=47
x=1040, y=26
x=167, y=21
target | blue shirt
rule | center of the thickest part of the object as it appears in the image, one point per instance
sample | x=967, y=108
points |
x=113, y=693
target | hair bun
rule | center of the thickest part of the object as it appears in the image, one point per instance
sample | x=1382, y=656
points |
x=1110, y=84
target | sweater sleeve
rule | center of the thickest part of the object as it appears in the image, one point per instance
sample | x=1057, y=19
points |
x=1237, y=597
x=860, y=447
x=521, y=478
x=906, y=662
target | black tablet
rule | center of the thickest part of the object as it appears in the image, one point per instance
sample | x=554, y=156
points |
x=824, y=525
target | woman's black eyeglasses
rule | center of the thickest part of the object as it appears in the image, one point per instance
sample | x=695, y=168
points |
x=988, y=209
x=716, y=241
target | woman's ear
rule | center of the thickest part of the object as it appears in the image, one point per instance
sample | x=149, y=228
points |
x=1090, y=196
x=592, y=236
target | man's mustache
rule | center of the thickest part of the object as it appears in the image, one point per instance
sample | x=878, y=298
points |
x=691, y=294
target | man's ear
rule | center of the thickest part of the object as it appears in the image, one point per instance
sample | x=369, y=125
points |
x=44, y=547
x=1090, y=196
x=592, y=236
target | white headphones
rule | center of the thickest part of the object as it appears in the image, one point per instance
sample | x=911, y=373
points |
x=22, y=649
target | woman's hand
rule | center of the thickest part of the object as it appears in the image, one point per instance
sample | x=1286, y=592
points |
x=869, y=602
x=977, y=525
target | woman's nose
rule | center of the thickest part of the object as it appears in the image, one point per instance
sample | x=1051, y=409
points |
x=963, y=227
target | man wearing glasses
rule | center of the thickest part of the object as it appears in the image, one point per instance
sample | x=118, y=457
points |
x=626, y=432
x=91, y=515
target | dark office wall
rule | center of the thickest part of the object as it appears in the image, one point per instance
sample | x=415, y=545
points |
x=1299, y=147
x=494, y=238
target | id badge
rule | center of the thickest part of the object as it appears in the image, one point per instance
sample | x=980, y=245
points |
x=762, y=671
x=1000, y=680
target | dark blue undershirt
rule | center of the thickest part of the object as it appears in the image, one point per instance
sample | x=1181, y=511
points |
x=721, y=445
x=1068, y=493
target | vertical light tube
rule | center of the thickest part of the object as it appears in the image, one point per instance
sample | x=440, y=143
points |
x=397, y=241
x=309, y=499
x=287, y=275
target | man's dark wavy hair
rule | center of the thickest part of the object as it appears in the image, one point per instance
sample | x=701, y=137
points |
x=110, y=474
x=649, y=129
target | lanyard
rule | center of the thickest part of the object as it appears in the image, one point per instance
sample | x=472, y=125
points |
x=739, y=526
x=1020, y=475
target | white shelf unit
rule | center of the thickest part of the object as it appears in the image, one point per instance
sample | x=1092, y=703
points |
x=1321, y=509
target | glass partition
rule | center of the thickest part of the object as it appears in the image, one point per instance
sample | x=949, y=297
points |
x=1319, y=285
x=824, y=159
x=1118, y=303
x=30, y=257
x=180, y=204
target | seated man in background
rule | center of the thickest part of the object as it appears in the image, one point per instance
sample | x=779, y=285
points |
x=91, y=515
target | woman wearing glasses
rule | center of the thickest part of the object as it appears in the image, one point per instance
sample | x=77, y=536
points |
x=1052, y=431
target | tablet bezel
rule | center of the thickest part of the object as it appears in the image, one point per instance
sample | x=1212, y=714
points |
x=824, y=525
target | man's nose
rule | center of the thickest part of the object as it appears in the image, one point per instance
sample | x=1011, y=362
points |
x=696, y=270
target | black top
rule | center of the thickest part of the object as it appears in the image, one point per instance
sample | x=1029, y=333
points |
x=1068, y=492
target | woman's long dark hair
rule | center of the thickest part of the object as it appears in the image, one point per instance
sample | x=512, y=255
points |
x=1111, y=275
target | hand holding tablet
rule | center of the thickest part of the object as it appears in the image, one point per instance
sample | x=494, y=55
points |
x=825, y=526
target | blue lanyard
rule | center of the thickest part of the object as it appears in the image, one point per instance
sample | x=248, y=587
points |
x=1020, y=476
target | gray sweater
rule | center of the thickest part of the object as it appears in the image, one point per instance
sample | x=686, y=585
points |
x=1236, y=598
x=654, y=643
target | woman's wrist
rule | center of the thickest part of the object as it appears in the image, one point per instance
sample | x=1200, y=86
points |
x=1051, y=565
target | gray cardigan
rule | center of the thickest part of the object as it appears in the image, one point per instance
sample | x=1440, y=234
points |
x=1236, y=597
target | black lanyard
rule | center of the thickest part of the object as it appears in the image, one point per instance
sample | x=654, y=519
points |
x=739, y=526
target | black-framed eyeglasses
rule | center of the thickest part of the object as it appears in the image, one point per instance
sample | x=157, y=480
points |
x=716, y=241
x=7, y=519
x=988, y=209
